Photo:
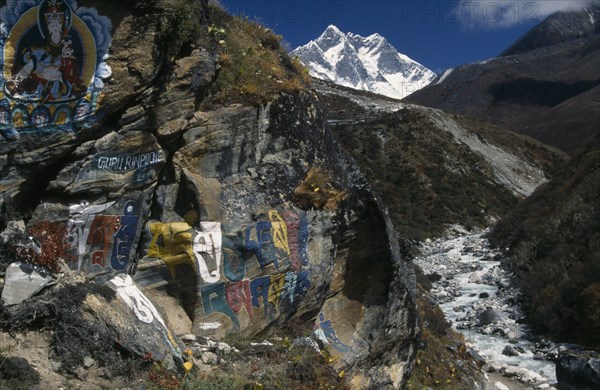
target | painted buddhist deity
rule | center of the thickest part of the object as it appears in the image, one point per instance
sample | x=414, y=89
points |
x=51, y=66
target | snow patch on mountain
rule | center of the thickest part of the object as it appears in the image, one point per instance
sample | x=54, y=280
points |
x=366, y=63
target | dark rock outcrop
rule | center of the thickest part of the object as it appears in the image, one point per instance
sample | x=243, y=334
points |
x=487, y=316
x=509, y=350
x=251, y=216
x=576, y=371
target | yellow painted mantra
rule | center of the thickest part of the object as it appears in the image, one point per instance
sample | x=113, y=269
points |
x=176, y=244
x=275, y=288
x=279, y=231
x=172, y=242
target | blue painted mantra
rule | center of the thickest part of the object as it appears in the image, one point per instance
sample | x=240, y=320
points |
x=96, y=240
x=329, y=332
x=278, y=246
x=273, y=293
x=53, y=63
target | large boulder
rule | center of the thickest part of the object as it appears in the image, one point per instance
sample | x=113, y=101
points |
x=487, y=317
x=251, y=216
x=276, y=224
x=100, y=322
x=578, y=371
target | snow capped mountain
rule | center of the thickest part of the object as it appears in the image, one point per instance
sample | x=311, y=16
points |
x=370, y=64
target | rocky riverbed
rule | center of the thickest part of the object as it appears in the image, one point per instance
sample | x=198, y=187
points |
x=476, y=295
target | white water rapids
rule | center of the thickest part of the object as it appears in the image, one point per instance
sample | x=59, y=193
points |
x=458, y=291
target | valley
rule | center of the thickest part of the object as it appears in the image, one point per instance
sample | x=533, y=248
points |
x=187, y=202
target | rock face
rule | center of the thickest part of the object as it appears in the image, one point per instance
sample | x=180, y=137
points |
x=23, y=281
x=252, y=216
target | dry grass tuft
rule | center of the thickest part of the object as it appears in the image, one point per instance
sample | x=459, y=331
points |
x=317, y=191
x=253, y=65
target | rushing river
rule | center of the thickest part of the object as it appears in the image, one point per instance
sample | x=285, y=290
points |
x=472, y=282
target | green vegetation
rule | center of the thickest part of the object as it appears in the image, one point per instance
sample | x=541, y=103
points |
x=442, y=362
x=217, y=382
x=253, y=66
x=180, y=25
x=554, y=246
x=425, y=178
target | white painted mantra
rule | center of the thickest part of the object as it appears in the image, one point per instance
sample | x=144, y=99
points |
x=125, y=163
x=80, y=220
x=135, y=299
x=143, y=308
x=207, y=246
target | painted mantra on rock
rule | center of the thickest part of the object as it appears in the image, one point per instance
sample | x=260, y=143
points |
x=328, y=332
x=97, y=241
x=221, y=261
x=281, y=241
x=274, y=293
x=144, y=309
x=122, y=163
x=207, y=248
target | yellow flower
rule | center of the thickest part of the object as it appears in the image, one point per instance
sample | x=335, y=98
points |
x=188, y=366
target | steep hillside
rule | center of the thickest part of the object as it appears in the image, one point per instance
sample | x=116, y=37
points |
x=434, y=169
x=529, y=88
x=552, y=239
x=558, y=28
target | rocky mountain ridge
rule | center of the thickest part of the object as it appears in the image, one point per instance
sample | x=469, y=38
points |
x=558, y=28
x=546, y=86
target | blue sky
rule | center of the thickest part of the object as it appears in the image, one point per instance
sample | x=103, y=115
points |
x=437, y=33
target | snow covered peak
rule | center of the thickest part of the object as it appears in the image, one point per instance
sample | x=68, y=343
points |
x=332, y=30
x=370, y=63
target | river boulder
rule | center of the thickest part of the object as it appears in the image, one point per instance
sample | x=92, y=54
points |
x=578, y=371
